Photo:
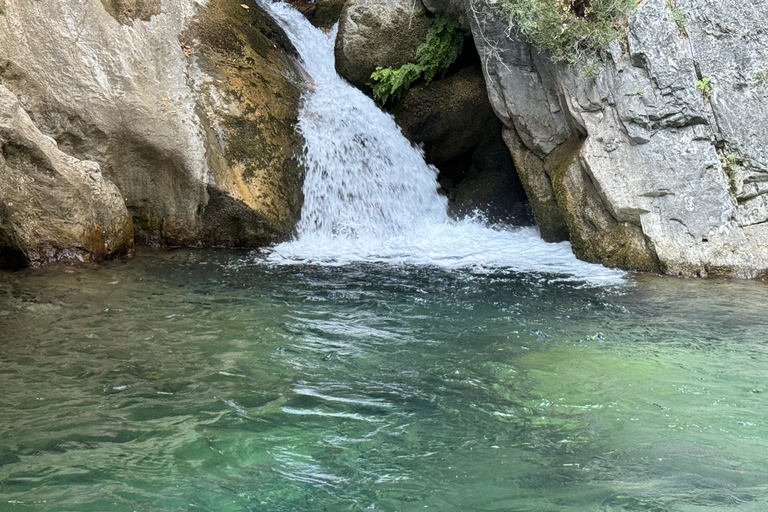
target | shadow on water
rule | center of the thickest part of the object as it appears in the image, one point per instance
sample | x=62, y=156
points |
x=201, y=380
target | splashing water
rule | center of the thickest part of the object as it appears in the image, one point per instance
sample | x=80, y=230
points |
x=369, y=196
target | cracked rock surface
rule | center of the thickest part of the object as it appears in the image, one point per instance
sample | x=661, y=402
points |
x=646, y=167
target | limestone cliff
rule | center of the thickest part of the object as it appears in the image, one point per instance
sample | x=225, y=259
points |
x=187, y=108
x=53, y=206
x=659, y=162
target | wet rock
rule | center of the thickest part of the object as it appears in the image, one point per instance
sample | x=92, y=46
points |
x=252, y=113
x=52, y=206
x=449, y=117
x=125, y=11
x=373, y=33
x=321, y=13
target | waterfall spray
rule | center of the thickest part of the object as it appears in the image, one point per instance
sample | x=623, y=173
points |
x=370, y=197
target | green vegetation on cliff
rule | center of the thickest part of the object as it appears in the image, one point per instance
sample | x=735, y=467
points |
x=440, y=50
x=570, y=30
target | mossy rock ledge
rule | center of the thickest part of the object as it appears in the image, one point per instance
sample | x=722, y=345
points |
x=186, y=115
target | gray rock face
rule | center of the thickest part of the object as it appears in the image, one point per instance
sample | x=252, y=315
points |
x=650, y=168
x=53, y=206
x=376, y=33
x=187, y=109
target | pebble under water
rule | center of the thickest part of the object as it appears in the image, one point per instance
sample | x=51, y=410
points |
x=201, y=380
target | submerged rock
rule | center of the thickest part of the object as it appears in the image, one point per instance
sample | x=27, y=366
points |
x=188, y=110
x=659, y=162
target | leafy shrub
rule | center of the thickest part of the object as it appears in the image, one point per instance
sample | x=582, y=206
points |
x=590, y=68
x=440, y=50
x=705, y=86
x=570, y=30
x=680, y=19
x=761, y=76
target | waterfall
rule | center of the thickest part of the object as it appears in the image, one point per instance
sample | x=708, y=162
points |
x=369, y=196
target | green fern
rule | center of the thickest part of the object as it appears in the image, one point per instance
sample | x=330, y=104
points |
x=705, y=86
x=441, y=49
x=393, y=83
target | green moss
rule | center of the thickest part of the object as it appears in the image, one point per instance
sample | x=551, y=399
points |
x=440, y=50
x=570, y=30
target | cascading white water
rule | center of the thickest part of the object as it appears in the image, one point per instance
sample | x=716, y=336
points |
x=369, y=196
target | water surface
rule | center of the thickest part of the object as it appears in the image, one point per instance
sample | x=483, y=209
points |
x=197, y=380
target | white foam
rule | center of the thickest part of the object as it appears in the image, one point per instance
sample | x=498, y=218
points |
x=370, y=197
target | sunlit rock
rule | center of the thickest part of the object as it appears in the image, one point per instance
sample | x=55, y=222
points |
x=373, y=33
x=659, y=161
x=188, y=109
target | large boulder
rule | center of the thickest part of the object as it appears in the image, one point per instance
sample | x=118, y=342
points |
x=449, y=116
x=375, y=33
x=53, y=206
x=323, y=14
x=659, y=162
x=188, y=110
